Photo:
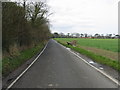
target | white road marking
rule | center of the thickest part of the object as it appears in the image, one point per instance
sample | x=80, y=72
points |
x=102, y=72
x=26, y=68
x=114, y=80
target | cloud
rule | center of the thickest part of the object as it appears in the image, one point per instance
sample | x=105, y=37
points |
x=84, y=16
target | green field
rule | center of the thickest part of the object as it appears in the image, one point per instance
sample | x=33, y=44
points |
x=106, y=49
x=107, y=44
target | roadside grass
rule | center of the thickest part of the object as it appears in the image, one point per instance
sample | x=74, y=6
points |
x=102, y=52
x=9, y=64
x=107, y=44
x=100, y=59
x=0, y=66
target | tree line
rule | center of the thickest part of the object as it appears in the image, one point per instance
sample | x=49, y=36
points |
x=78, y=35
x=24, y=25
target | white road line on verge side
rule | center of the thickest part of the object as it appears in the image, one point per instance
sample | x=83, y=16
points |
x=105, y=74
x=26, y=68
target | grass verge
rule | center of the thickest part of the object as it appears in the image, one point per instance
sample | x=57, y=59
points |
x=100, y=59
x=106, y=44
x=9, y=64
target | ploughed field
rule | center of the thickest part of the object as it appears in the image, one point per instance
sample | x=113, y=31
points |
x=104, y=47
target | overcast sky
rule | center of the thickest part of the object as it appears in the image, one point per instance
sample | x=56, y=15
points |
x=84, y=16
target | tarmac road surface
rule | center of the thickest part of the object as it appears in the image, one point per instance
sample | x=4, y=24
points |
x=59, y=68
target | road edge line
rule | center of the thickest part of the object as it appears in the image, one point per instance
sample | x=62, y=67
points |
x=105, y=74
x=27, y=68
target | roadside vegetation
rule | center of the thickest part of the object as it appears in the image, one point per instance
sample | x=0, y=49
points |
x=25, y=31
x=106, y=44
x=11, y=63
x=94, y=55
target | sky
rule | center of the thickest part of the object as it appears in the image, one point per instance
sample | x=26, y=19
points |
x=84, y=16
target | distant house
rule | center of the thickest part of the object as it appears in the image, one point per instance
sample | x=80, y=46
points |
x=117, y=36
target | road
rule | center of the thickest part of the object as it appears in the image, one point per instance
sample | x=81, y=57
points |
x=59, y=68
